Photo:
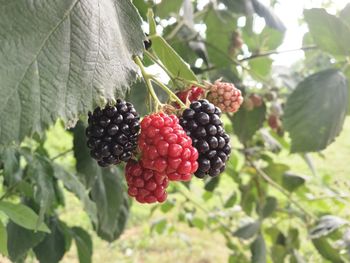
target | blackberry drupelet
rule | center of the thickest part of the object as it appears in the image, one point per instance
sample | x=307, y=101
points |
x=113, y=133
x=202, y=123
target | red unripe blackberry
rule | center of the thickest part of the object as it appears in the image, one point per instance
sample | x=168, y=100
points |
x=225, y=96
x=166, y=148
x=112, y=133
x=192, y=94
x=145, y=185
x=202, y=123
x=256, y=99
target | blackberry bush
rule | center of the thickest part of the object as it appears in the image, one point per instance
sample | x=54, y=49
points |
x=113, y=133
x=202, y=123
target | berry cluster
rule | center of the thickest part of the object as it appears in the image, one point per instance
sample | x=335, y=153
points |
x=113, y=133
x=202, y=123
x=166, y=148
x=146, y=185
x=225, y=95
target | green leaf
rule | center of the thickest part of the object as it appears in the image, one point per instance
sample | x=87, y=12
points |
x=247, y=122
x=83, y=242
x=72, y=183
x=61, y=62
x=270, y=206
x=271, y=19
x=166, y=8
x=261, y=66
x=326, y=250
x=231, y=201
x=345, y=14
x=41, y=170
x=278, y=253
x=258, y=250
x=159, y=226
x=3, y=240
x=292, y=182
x=329, y=32
x=112, y=205
x=171, y=60
x=276, y=171
x=86, y=168
x=212, y=184
x=326, y=225
x=10, y=159
x=142, y=7
x=22, y=215
x=248, y=231
x=198, y=223
x=316, y=110
x=167, y=206
x=220, y=27
x=21, y=240
x=52, y=248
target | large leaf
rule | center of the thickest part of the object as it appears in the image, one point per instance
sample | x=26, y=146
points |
x=52, y=248
x=345, y=14
x=21, y=240
x=258, y=250
x=22, y=215
x=247, y=122
x=84, y=244
x=58, y=57
x=3, y=239
x=329, y=32
x=112, y=205
x=326, y=250
x=316, y=110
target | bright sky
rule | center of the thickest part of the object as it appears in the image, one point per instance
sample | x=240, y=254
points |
x=291, y=12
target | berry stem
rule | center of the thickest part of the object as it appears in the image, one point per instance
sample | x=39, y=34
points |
x=147, y=77
x=169, y=92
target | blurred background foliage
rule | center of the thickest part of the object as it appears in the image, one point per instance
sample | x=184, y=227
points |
x=285, y=193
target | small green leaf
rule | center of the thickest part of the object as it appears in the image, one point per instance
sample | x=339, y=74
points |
x=248, y=231
x=316, y=110
x=167, y=206
x=231, y=201
x=326, y=250
x=159, y=226
x=52, y=248
x=22, y=215
x=270, y=206
x=83, y=242
x=258, y=250
x=326, y=225
x=3, y=240
x=212, y=184
x=247, y=122
x=21, y=240
x=292, y=182
x=197, y=222
x=151, y=22
x=171, y=60
x=329, y=32
x=261, y=66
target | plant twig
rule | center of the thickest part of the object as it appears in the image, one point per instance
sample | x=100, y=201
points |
x=280, y=189
x=61, y=154
x=272, y=52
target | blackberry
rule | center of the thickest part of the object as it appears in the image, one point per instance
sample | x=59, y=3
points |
x=113, y=133
x=203, y=124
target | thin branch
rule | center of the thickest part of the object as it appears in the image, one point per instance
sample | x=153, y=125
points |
x=280, y=189
x=61, y=154
x=273, y=52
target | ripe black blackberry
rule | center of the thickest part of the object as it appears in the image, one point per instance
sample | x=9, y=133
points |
x=202, y=123
x=113, y=133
